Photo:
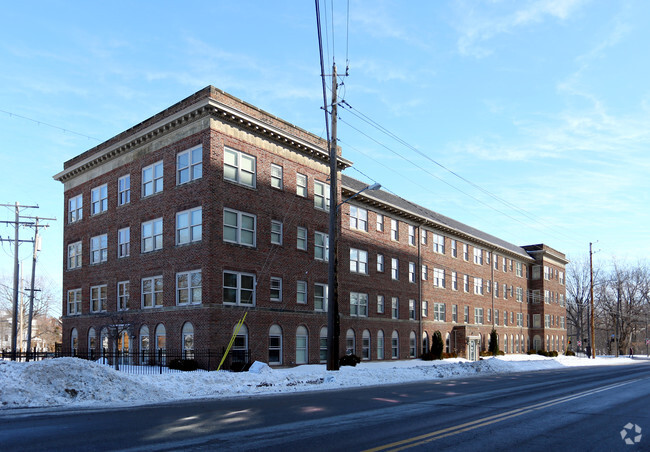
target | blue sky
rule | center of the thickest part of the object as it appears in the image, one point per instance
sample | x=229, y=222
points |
x=542, y=107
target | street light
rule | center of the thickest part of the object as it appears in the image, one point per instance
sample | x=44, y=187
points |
x=333, y=326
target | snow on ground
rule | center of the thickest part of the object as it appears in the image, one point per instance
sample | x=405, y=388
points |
x=76, y=382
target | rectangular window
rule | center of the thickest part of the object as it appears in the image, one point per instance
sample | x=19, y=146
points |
x=411, y=309
x=439, y=244
x=561, y=300
x=439, y=312
x=189, y=226
x=380, y=263
x=75, y=208
x=425, y=308
x=510, y=264
x=301, y=292
x=496, y=316
x=466, y=314
x=321, y=246
x=358, y=218
x=478, y=256
x=123, y=242
x=394, y=230
x=239, y=227
x=321, y=195
x=98, y=249
x=519, y=270
x=188, y=287
x=547, y=273
x=454, y=248
x=74, y=255
x=276, y=232
x=536, y=272
x=411, y=231
x=98, y=298
x=189, y=165
x=380, y=304
x=276, y=176
x=394, y=303
x=547, y=321
x=495, y=262
x=425, y=273
x=412, y=272
x=276, y=289
x=466, y=283
x=503, y=266
x=152, y=179
x=320, y=297
x=478, y=316
x=496, y=289
x=561, y=321
x=478, y=286
x=301, y=239
x=547, y=296
x=505, y=318
x=489, y=315
x=74, y=302
x=239, y=167
x=454, y=281
x=358, y=261
x=124, y=190
x=358, y=304
x=394, y=268
x=561, y=278
x=520, y=294
x=423, y=236
x=122, y=295
x=537, y=320
x=152, y=292
x=505, y=291
x=152, y=235
x=238, y=288
x=520, y=319
x=380, y=222
x=301, y=185
x=465, y=252
x=439, y=278
x=99, y=199
x=454, y=313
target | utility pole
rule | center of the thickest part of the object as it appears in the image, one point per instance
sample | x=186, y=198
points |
x=333, y=322
x=591, y=289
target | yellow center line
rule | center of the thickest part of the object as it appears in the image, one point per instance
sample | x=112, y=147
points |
x=455, y=430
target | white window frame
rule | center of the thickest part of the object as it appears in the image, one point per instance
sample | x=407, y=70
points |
x=478, y=286
x=380, y=263
x=320, y=297
x=358, y=218
x=358, y=261
x=478, y=316
x=275, y=292
x=189, y=226
x=381, y=304
x=123, y=295
x=238, y=289
x=156, y=295
x=454, y=281
x=438, y=243
x=238, y=227
x=358, y=304
x=301, y=185
x=466, y=283
x=98, y=298
x=425, y=272
x=123, y=242
x=439, y=312
x=192, y=288
x=394, y=230
x=465, y=252
x=411, y=233
x=321, y=246
x=478, y=256
x=277, y=176
x=151, y=240
x=153, y=183
x=321, y=195
x=75, y=208
x=454, y=248
x=412, y=310
x=423, y=236
x=411, y=272
x=439, y=278
x=394, y=269
x=74, y=302
x=394, y=306
x=99, y=199
x=193, y=168
x=276, y=232
x=380, y=222
x=124, y=190
x=301, y=292
x=234, y=171
x=75, y=257
x=425, y=308
x=98, y=249
x=301, y=238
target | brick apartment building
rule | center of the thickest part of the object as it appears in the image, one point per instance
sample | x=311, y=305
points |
x=214, y=208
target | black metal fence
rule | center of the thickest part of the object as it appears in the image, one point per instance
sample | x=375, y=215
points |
x=148, y=361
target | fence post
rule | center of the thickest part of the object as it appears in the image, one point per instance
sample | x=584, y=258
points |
x=160, y=360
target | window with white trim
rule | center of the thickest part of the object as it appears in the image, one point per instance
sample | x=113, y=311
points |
x=358, y=304
x=321, y=195
x=380, y=263
x=75, y=208
x=520, y=294
x=301, y=345
x=239, y=227
x=411, y=233
x=98, y=298
x=276, y=176
x=380, y=222
x=358, y=218
x=547, y=296
x=275, y=345
x=504, y=266
x=358, y=261
x=519, y=270
x=505, y=291
x=394, y=345
x=425, y=272
x=152, y=179
x=454, y=281
x=124, y=190
x=438, y=243
x=152, y=292
x=394, y=268
x=320, y=297
x=478, y=316
x=466, y=314
x=189, y=165
x=520, y=319
x=189, y=226
x=380, y=304
x=496, y=316
x=454, y=248
x=238, y=288
x=454, y=313
x=505, y=318
x=98, y=249
x=466, y=283
x=123, y=295
x=239, y=167
x=276, y=289
x=276, y=232
x=412, y=272
x=561, y=277
x=394, y=229
x=439, y=312
x=74, y=302
x=301, y=185
x=423, y=236
x=74, y=255
x=395, y=307
x=321, y=246
x=99, y=199
x=188, y=287
x=478, y=256
x=465, y=252
x=301, y=292
x=547, y=321
x=425, y=308
x=301, y=238
x=365, y=345
x=152, y=235
x=123, y=242
x=412, y=309
x=439, y=278
x=478, y=286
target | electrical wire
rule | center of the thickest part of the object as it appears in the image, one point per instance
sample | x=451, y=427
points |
x=49, y=125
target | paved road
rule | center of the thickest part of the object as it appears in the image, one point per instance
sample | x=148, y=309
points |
x=569, y=409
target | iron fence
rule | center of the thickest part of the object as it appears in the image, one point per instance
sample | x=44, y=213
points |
x=148, y=361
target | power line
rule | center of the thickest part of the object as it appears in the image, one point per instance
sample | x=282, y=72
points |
x=49, y=125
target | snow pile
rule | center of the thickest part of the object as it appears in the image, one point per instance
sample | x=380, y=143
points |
x=72, y=381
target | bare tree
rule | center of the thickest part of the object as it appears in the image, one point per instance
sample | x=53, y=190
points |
x=578, y=298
